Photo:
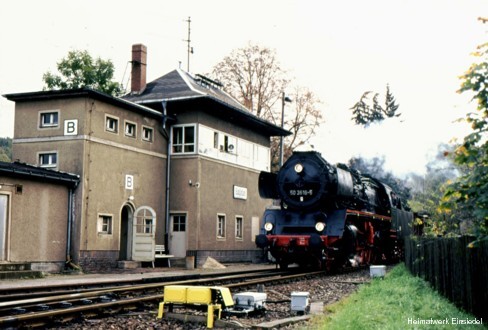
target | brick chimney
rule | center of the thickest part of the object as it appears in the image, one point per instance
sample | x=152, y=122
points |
x=138, y=75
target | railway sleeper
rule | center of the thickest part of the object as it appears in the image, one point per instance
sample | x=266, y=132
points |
x=41, y=307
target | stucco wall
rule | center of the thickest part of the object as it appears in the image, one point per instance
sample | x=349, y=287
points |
x=102, y=159
x=213, y=196
x=37, y=228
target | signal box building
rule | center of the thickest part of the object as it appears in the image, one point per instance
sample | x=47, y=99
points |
x=217, y=150
x=174, y=162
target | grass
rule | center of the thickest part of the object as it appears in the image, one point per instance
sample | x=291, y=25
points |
x=389, y=303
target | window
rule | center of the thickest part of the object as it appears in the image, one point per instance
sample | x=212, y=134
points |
x=179, y=222
x=49, y=119
x=130, y=129
x=216, y=140
x=239, y=223
x=228, y=144
x=220, y=226
x=183, y=139
x=145, y=221
x=48, y=159
x=147, y=134
x=226, y=147
x=111, y=124
x=104, y=225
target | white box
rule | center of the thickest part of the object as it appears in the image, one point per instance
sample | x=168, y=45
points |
x=256, y=300
x=300, y=301
x=377, y=271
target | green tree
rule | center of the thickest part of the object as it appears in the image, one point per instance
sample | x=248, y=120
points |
x=470, y=190
x=5, y=149
x=428, y=190
x=78, y=69
x=364, y=114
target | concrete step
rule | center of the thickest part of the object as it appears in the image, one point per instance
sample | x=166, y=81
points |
x=178, y=262
x=18, y=274
x=128, y=264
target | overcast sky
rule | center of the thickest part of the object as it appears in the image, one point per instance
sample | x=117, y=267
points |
x=338, y=49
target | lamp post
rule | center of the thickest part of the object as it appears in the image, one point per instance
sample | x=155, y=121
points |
x=283, y=100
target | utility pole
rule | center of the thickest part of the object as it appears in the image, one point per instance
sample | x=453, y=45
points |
x=189, y=48
x=284, y=99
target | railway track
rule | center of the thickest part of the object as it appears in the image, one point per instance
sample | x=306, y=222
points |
x=61, y=305
x=35, y=291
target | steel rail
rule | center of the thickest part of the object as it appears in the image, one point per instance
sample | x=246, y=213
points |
x=117, y=289
x=48, y=296
x=100, y=306
x=9, y=292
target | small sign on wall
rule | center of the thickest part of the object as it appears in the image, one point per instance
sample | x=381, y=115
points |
x=129, y=182
x=240, y=192
x=71, y=127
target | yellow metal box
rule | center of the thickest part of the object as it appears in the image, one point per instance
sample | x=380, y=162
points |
x=225, y=296
x=198, y=295
x=175, y=294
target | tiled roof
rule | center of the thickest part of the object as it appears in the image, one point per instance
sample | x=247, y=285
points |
x=17, y=169
x=178, y=85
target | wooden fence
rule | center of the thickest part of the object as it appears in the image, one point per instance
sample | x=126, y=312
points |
x=454, y=267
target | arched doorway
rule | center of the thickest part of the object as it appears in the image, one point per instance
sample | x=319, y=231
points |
x=126, y=225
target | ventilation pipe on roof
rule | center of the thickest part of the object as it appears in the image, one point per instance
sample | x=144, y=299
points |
x=139, y=64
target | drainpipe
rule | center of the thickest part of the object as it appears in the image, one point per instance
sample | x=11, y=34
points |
x=168, y=171
x=70, y=220
x=69, y=262
x=70, y=223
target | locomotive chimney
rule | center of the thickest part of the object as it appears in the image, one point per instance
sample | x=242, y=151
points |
x=138, y=74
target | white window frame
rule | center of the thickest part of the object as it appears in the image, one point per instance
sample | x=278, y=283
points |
x=229, y=144
x=221, y=227
x=109, y=120
x=179, y=226
x=216, y=140
x=212, y=143
x=145, y=219
x=50, y=163
x=239, y=228
x=127, y=126
x=184, y=144
x=105, y=224
x=51, y=123
x=145, y=130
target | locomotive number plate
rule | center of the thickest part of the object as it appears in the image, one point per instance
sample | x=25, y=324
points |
x=299, y=192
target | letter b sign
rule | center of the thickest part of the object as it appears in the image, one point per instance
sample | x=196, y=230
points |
x=71, y=127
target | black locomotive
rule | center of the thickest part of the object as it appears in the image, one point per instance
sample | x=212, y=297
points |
x=330, y=216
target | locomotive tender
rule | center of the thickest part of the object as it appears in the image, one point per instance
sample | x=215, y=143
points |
x=330, y=216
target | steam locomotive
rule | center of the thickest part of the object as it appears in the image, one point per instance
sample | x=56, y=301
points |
x=330, y=216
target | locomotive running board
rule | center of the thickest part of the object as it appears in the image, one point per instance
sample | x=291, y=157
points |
x=373, y=216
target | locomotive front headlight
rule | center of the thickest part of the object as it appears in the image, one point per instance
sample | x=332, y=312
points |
x=268, y=226
x=298, y=168
x=319, y=226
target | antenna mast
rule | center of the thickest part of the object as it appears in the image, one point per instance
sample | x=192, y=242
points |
x=189, y=48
